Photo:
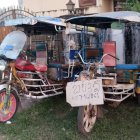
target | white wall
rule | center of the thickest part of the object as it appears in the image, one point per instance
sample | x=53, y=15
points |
x=47, y=5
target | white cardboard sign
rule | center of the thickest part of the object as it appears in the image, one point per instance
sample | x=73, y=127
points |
x=81, y=93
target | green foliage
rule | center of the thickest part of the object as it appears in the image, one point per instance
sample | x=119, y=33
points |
x=132, y=5
x=54, y=119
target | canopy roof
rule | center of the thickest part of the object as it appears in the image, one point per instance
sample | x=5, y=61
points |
x=104, y=20
x=43, y=24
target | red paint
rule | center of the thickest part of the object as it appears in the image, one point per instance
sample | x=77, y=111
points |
x=109, y=47
x=7, y=116
x=25, y=65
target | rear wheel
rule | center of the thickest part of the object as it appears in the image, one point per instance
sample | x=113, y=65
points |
x=8, y=110
x=86, y=118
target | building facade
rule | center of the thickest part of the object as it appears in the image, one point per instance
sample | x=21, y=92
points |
x=59, y=8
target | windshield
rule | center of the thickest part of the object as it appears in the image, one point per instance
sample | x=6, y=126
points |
x=12, y=44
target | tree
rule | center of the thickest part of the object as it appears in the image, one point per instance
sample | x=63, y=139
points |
x=132, y=5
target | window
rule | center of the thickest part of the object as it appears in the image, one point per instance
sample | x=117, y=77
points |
x=83, y=3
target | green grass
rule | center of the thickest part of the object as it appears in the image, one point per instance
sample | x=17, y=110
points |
x=54, y=119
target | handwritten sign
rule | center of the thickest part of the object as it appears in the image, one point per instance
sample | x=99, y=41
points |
x=81, y=93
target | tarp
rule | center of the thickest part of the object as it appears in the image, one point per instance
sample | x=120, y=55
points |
x=32, y=21
x=121, y=15
x=51, y=20
x=36, y=25
x=105, y=19
x=19, y=21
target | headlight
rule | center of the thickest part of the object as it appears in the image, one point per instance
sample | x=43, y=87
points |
x=2, y=65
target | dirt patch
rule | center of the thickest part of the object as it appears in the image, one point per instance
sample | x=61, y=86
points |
x=26, y=103
x=2, y=137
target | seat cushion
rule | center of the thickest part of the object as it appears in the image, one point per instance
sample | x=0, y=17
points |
x=25, y=65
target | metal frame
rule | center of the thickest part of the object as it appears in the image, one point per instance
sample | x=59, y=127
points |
x=122, y=91
x=41, y=90
x=117, y=92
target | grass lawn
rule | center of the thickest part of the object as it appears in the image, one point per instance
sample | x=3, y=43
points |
x=54, y=119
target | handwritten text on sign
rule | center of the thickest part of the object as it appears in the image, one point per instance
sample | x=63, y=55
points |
x=81, y=93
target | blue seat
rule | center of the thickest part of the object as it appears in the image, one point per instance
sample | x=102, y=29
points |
x=73, y=54
x=127, y=66
x=54, y=65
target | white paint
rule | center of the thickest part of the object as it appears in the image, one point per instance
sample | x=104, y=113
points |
x=81, y=93
x=118, y=36
x=99, y=2
x=8, y=122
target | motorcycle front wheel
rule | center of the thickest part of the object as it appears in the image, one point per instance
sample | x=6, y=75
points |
x=8, y=110
x=86, y=118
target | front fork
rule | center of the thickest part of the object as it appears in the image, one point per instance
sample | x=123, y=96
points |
x=8, y=91
x=6, y=85
x=7, y=97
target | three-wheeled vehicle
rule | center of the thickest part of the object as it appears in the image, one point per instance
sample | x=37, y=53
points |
x=23, y=61
x=46, y=63
x=110, y=63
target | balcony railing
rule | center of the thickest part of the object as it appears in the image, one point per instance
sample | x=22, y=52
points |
x=63, y=13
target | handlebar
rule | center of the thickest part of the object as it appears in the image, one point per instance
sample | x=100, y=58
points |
x=82, y=59
x=106, y=55
x=100, y=59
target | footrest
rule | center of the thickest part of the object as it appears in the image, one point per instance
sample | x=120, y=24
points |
x=118, y=92
x=121, y=86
